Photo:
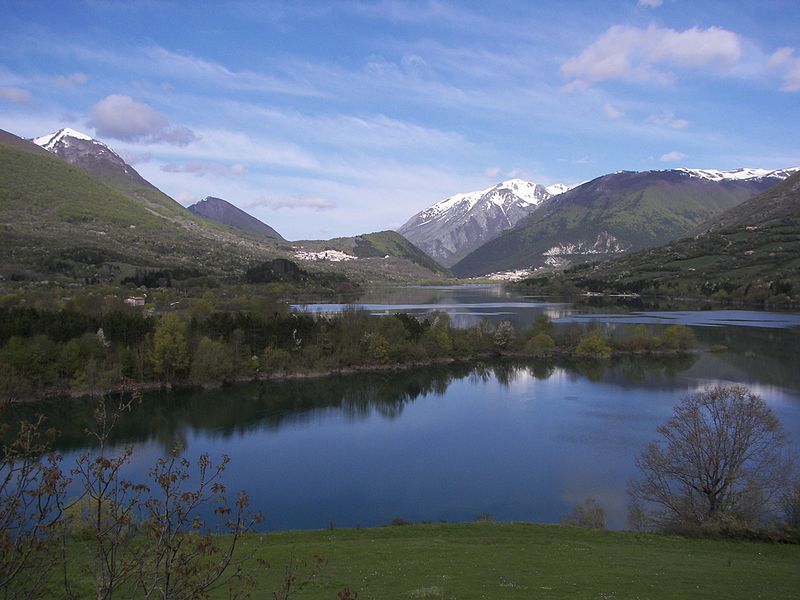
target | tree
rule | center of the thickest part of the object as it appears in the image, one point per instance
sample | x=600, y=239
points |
x=678, y=337
x=504, y=335
x=211, y=362
x=32, y=490
x=721, y=461
x=540, y=344
x=589, y=514
x=170, y=354
x=593, y=345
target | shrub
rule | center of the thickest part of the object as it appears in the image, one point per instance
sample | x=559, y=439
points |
x=593, y=345
x=589, y=514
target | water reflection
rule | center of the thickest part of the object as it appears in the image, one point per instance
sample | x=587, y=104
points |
x=520, y=440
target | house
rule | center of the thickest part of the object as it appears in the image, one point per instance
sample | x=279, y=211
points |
x=134, y=300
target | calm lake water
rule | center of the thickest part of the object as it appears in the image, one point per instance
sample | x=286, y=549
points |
x=514, y=440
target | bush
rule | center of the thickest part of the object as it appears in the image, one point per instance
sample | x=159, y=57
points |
x=593, y=345
x=540, y=344
x=589, y=514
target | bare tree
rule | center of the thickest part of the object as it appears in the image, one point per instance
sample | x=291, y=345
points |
x=722, y=459
x=109, y=502
x=32, y=489
x=182, y=558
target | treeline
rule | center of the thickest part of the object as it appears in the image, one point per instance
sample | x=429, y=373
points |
x=44, y=352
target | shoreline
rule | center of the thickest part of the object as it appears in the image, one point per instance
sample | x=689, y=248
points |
x=133, y=387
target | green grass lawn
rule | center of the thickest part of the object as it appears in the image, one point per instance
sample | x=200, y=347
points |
x=487, y=560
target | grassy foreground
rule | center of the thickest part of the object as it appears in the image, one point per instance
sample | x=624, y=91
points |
x=488, y=560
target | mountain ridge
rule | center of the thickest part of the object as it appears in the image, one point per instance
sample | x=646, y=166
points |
x=611, y=214
x=749, y=253
x=453, y=227
x=222, y=211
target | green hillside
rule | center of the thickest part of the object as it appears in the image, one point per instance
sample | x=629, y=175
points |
x=59, y=221
x=622, y=211
x=383, y=255
x=749, y=253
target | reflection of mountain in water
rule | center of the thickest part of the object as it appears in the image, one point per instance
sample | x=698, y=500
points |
x=168, y=417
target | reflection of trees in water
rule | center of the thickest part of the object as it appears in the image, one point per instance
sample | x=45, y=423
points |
x=764, y=355
x=168, y=417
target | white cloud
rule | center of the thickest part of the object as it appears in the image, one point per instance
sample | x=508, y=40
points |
x=491, y=171
x=645, y=55
x=134, y=158
x=785, y=60
x=673, y=156
x=185, y=198
x=123, y=118
x=612, y=112
x=651, y=3
x=70, y=80
x=314, y=203
x=15, y=94
x=201, y=168
x=667, y=119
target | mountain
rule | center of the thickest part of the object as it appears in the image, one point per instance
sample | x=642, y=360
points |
x=222, y=211
x=379, y=255
x=748, y=253
x=59, y=223
x=617, y=213
x=452, y=228
x=101, y=162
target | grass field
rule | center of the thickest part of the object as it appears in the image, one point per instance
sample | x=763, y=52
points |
x=489, y=560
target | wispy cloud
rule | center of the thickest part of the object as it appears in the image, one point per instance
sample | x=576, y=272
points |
x=188, y=67
x=612, y=112
x=788, y=63
x=632, y=54
x=673, y=156
x=293, y=203
x=71, y=79
x=201, y=169
x=667, y=119
x=15, y=94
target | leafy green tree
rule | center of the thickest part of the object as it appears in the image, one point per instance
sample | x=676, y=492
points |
x=439, y=334
x=542, y=324
x=378, y=348
x=678, y=337
x=170, y=353
x=593, y=345
x=540, y=344
x=211, y=362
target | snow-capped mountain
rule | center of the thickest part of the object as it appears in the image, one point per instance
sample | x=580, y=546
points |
x=616, y=213
x=86, y=153
x=98, y=160
x=455, y=226
x=741, y=174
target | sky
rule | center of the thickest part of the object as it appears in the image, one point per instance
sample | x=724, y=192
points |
x=328, y=119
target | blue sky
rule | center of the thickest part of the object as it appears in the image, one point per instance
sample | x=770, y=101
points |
x=336, y=118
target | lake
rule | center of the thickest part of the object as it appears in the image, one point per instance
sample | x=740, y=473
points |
x=517, y=440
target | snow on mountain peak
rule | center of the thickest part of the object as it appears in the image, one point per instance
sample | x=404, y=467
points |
x=740, y=174
x=48, y=142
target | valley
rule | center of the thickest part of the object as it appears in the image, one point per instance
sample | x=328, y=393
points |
x=399, y=299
